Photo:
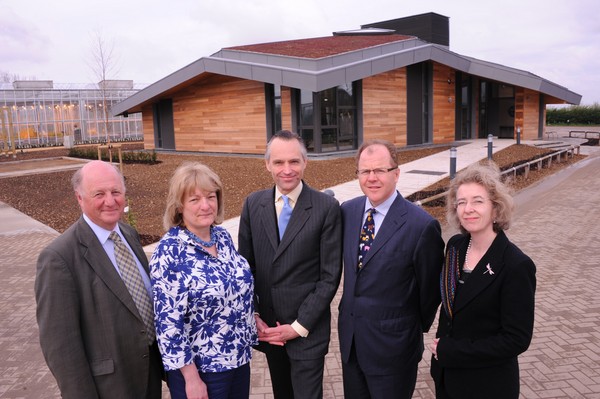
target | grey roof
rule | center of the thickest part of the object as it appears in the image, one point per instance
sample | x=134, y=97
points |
x=316, y=74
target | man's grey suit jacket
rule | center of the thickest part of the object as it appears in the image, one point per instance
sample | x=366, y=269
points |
x=91, y=333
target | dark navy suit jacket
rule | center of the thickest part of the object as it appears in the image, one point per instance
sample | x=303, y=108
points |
x=388, y=304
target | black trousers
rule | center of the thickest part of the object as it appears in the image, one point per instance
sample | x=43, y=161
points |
x=292, y=378
x=358, y=385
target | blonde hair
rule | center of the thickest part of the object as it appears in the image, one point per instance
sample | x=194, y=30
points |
x=186, y=179
x=487, y=175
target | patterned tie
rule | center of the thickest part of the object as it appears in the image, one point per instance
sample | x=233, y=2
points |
x=133, y=281
x=366, y=236
x=284, y=216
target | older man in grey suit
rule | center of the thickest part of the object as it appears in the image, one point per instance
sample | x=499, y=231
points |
x=291, y=236
x=94, y=309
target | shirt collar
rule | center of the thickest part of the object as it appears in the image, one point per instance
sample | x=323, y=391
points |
x=293, y=195
x=384, y=207
x=101, y=232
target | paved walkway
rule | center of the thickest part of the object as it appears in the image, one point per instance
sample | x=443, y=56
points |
x=557, y=225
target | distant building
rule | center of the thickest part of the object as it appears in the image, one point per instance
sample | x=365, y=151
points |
x=396, y=80
x=40, y=113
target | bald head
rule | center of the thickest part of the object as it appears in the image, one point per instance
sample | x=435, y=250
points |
x=100, y=191
x=95, y=168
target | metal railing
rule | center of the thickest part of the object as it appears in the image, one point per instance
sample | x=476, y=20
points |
x=538, y=162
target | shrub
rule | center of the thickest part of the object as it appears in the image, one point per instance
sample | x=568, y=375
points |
x=576, y=115
x=144, y=157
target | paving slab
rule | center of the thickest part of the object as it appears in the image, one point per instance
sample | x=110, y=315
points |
x=557, y=224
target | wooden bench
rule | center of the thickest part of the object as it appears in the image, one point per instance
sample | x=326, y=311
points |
x=576, y=133
x=551, y=134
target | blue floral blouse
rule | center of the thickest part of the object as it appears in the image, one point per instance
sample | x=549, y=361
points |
x=204, y=311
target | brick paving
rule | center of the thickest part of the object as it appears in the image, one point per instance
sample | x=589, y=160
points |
x=557, y=225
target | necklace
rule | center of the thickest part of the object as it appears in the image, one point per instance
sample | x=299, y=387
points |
x=466, y=265
x=208, y=244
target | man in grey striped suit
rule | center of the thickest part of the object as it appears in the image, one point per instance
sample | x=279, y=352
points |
x=297, y=269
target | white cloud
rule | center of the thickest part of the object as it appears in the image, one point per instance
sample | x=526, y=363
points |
x=557, y=41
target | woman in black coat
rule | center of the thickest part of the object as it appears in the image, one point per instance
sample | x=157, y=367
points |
x=488, y=294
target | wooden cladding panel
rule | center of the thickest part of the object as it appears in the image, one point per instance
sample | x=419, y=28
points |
x=527, y=113
x=148, y=127
x=444, y=104
x=286, y=108
x=384, y=107
x=519, y=106
x=531, y=115
x=223, y=115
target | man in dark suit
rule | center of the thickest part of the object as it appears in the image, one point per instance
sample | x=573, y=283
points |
x=393, y=254
x=97, y=338
x=297, y=269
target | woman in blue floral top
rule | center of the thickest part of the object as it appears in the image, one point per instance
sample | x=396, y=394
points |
x=203, y=290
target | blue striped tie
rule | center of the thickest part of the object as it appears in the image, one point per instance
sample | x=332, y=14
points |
x=284, y=216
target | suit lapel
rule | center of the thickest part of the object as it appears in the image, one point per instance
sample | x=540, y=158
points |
x=481, y=277
x=393, y=221
x=352, y=232
x=98, y=260
x=268, y=217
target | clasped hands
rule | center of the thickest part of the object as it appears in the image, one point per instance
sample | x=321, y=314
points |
x=278, y=335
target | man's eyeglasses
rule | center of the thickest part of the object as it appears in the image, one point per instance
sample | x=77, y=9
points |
x=378, y=172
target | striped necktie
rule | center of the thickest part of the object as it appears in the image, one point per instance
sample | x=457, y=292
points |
x=133, y=281
x=284, y=216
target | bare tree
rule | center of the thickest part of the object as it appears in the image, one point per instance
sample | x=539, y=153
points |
x=7, y=77
x=103, y=64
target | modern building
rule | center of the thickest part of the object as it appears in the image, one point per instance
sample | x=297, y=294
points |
x=397, y=80
x=40, y=113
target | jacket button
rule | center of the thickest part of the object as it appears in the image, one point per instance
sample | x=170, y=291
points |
x=145, y=356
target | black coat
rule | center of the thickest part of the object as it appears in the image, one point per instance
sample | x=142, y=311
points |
x=492, y=324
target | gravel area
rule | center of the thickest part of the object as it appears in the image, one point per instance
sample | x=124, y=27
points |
x=49, y=198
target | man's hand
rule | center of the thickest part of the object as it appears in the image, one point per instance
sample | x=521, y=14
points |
x=274, y=335
x=279, y=335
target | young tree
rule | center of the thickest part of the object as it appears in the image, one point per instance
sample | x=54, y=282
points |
x=104, y=65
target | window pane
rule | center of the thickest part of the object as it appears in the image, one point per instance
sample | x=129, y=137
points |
x=345, y=96
x=328, y=114
x=328, y=140
x=346, y=124
x=307, y=136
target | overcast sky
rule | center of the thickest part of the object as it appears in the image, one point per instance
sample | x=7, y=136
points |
x=559, y=41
